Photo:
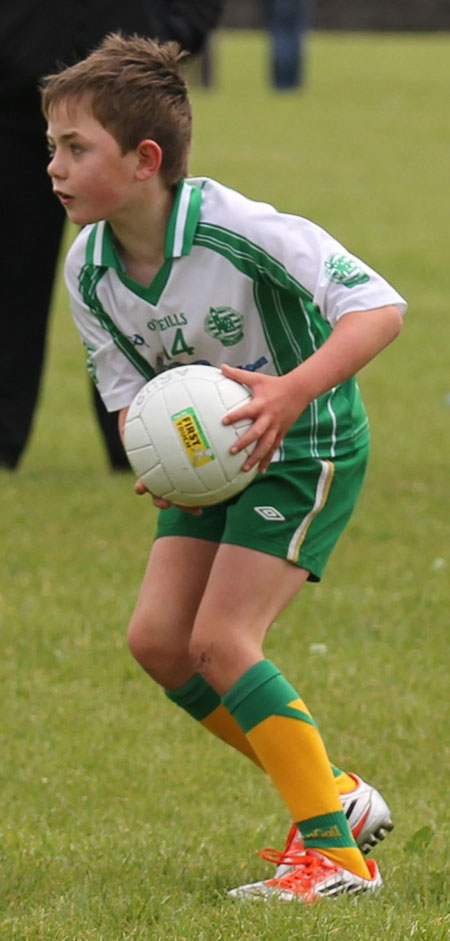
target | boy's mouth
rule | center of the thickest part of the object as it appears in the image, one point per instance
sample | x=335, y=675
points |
x=64, y=198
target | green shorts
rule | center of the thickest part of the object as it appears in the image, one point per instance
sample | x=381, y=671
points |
x=296, y=510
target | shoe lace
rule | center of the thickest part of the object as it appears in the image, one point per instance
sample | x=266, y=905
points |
x=284, y=857
x=288, y=855
x=307, y=866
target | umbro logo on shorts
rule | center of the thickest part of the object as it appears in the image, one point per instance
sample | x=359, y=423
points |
x=269, y=512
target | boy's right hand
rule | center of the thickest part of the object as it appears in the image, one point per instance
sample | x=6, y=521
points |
x=162, y=504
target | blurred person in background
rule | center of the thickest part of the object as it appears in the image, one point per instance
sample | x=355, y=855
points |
x=287, y=22
x=35, y=37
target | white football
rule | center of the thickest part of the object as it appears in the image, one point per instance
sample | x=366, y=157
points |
x=175, y=439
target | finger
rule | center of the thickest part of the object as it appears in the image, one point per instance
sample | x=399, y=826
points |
x=255, y=433
x=244, y=412
x=194, y=510
x=244, y=376
x=266, y=462
x=161, y=503
x=262, y=453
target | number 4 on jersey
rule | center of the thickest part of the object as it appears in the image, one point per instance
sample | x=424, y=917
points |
x=179, y=345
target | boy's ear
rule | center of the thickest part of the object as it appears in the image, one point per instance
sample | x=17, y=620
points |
x=149, y=159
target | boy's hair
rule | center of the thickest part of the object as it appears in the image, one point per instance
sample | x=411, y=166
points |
x=135, y=89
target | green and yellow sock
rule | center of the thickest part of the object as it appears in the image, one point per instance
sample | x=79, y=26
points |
x=344, y=783
x=285, y=738
x=202, y=703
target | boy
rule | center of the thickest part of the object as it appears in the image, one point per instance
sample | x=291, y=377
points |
x=170, y=271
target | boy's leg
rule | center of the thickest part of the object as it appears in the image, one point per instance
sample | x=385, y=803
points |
x=368, y=815
x=202, y=703
x=246, y=591
x=160, y=628
x=175, y=580
x=312, y=508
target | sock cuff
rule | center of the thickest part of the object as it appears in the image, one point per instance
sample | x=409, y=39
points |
x=258, y=675
x=260, y=693
x=327, y=831
x=196, y=697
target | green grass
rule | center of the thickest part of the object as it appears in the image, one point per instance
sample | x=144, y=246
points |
x=121, y=819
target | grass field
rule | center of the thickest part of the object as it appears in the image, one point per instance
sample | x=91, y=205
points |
x=121, y=819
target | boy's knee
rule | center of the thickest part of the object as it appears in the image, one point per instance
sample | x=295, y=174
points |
x=209, y=655
x=221, y=659
x=165, y=661
x=202, y=652
x=135, y=641
x=143, y=643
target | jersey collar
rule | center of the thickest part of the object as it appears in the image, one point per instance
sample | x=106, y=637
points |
x=183, y=220
x=180, y=232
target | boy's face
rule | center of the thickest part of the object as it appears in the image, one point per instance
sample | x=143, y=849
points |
x=91, y=176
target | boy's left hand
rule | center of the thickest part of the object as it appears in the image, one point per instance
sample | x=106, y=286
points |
x=161, y=503
x=275, y=406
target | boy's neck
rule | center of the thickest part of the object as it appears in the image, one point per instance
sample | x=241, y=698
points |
x=139, y=236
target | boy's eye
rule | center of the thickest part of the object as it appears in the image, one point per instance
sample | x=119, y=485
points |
x=76, y=149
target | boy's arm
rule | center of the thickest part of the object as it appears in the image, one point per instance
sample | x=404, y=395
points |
x=116, y=378
x=122, y=417
x=279, y=400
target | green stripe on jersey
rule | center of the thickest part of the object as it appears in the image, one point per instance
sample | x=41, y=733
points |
x=193, y=213
x=152, y=292
x=294, y=329
x=183, y=220
x=250, y=258
x=89, y=278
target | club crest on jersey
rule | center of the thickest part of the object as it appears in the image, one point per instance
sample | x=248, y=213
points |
x=344, y=270
x=225, y=325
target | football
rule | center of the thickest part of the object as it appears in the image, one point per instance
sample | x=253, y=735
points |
x=176, y=442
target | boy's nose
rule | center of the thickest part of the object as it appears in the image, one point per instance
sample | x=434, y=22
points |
x=55, y=168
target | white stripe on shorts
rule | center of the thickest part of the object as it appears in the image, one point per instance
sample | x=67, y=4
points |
x=322, y=491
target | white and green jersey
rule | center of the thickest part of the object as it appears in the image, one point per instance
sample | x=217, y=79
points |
x=241, y=284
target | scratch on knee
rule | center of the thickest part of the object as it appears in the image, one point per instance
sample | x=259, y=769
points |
x=203, y=658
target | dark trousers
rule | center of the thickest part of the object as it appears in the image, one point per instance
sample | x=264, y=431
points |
x=31, y=227
x=287, y=22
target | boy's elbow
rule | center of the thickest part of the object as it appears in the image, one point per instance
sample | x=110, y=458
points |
x=394, y=320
